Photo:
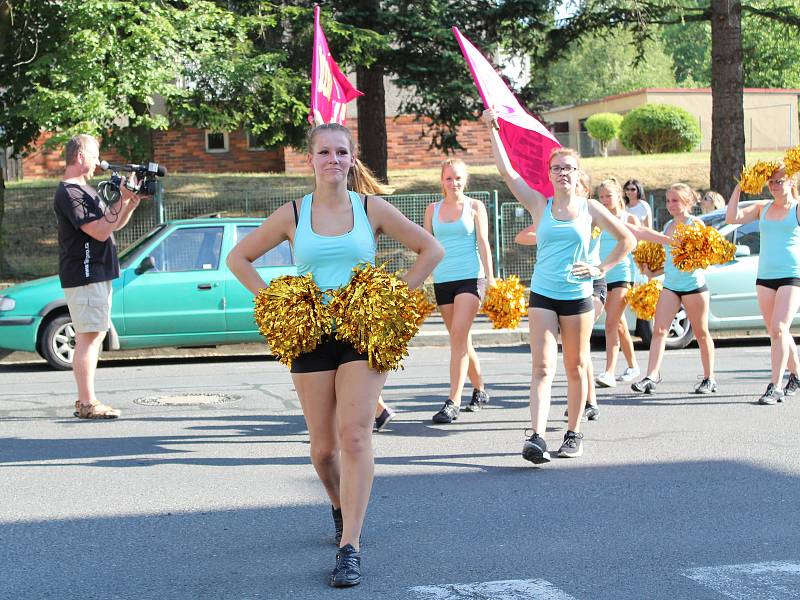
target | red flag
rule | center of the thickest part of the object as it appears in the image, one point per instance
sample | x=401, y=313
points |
x=330, y=89
x=528, y=143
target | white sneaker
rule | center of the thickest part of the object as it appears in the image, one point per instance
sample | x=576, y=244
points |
x=630, y=374
x=605, y=380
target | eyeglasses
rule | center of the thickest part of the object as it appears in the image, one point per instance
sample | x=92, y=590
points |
x=557, y=169
x=630, y=189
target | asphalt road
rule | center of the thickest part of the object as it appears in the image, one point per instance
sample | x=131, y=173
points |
x=676, y=496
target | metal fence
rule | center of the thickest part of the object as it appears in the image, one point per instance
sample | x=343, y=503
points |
x=31, y=245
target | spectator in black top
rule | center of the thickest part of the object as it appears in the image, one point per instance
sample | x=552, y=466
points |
x=87, y=263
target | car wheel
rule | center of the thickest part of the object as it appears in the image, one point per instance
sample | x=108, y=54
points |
x=58, y=342
x=644, y=329
x=680, y=331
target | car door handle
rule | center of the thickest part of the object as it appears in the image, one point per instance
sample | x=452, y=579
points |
x=203, y=286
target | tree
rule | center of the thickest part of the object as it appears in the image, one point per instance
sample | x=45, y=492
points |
x=725, y=17
x=600, y=65
x=656, y=128
x=604, y=127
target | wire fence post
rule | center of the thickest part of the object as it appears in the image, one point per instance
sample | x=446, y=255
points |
x=158, y=203
x=497, y=236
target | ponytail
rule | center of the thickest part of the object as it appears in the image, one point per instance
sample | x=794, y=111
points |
x=363, y=181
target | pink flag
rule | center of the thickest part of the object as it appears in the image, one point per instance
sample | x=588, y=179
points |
x=528, y=143
x=330, y=89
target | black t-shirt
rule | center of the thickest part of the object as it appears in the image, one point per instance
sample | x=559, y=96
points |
x=81, y=258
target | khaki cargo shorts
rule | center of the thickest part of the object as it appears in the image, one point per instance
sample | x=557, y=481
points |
x=90, y=306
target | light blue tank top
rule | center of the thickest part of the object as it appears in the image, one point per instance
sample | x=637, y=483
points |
x=623, y=270
x=559, y=245
x=461, y=259
x=330, y=258
x=677, y=280
x=779, y=256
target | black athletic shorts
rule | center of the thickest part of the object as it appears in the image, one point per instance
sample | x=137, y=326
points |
x=446, y=292
x=774, y=284
x=619, y=284
x=562, y=308
x=600, y=290
x=700, y=290
x=328, y=356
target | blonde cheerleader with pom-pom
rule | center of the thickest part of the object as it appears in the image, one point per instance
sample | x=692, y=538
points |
x=680, y=287
x=461, y=225
x=561, y=288
x=778, y=277
x=332, y=230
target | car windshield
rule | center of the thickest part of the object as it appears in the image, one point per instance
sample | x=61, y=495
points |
x=133, y=251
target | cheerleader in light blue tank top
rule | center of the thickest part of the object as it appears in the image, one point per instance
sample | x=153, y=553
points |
x=333, y=231
x=680, y=288
x=619, y=280
x=778, y=276
x=561, y=283
x=459, y=280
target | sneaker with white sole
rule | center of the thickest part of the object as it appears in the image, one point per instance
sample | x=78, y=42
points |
x=792, y=385
x=630, y=374
x=535, y=450
x=605, y=380
x=572, y=446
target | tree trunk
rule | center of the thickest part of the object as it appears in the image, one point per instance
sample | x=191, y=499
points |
x=727, y=91
x=372, y=140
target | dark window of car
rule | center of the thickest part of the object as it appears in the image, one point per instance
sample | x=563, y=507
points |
x=279, y=256
x=132, y=252
x=715, y=219
x=189, y=249
x=749, y=235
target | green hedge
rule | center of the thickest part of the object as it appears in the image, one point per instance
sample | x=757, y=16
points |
x=655, y=128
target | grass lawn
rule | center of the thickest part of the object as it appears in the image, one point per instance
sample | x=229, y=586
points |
x=656, y=171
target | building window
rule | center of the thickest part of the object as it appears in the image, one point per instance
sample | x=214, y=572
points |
x=253, y=143
x=216, y=141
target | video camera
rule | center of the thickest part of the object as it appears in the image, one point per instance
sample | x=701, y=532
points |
x=145, y=179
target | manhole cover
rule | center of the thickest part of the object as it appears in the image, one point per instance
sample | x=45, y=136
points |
x=186, y=399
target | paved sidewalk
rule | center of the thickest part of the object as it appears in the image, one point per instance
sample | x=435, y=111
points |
x=433, y=333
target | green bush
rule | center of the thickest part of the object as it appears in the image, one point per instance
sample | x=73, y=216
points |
x=603, y=127
x=656, y=128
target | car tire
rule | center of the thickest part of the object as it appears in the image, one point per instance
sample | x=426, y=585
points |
x=680, y=332
x=644, y=330
x=58, y=342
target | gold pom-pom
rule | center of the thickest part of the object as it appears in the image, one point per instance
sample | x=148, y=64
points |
x=596, y=231
x=643, y=299
x=505, y=303
x=291, y=316
x=792, y=161
x=421, y=305
x=698, y=247
x=650, y=255
x=753, y=179
x=378, y=314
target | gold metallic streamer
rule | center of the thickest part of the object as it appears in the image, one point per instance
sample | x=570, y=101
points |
x=291, y=316
x=792, y=161
x=643, y=299
x=505, y=303
x=698, y=247
x=753, y=179
x=650, y=255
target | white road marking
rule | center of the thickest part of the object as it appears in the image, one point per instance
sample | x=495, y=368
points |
x=512, y=589
x=765, y=581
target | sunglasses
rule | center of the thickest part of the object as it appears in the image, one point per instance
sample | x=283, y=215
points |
x=630, y=189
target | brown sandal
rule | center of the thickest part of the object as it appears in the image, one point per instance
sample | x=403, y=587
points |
x=95, y=411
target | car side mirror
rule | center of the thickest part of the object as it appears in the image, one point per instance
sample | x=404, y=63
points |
x=147, y=264
x=742, y=250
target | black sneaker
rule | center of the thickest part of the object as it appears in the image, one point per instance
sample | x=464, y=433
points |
x=535, y=450
x=447, y=414
x=383, y=419
x=479, y=398
x=707, y=386
x=772, y=395
x=347, y=571
x=792, y=385
x=591, y=412
x=572, y=446
x=646, y=385
x=338, y=525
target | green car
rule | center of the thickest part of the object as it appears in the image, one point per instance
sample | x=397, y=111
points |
x=174, y=289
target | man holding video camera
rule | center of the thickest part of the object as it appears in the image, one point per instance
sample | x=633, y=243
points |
x=88, y=263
